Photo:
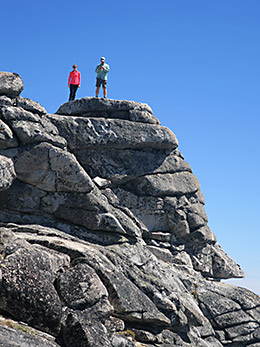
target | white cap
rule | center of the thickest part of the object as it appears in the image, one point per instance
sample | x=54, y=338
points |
x=103, y=58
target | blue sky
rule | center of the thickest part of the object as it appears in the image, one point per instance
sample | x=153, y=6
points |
x=195, y=62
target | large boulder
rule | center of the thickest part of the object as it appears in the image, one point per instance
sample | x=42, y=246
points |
x=10, y=84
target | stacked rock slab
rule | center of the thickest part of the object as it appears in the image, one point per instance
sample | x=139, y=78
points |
x=103, y=236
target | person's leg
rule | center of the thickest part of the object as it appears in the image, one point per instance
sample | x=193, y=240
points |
x=71, y=89
x=98, y=84
x=104, y=85
x=75, y=87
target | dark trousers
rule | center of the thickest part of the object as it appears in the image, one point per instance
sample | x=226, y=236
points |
x=73, y=89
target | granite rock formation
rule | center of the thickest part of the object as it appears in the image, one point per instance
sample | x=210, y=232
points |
x=103, y=233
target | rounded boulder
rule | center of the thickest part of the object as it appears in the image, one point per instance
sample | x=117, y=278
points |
x=10, y=84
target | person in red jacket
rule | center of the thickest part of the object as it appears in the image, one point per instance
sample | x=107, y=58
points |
x=74, y=82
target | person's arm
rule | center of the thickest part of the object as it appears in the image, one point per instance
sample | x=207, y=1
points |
x=106, y=67
x=97, y=69
x=79, y=78
x=69, y=79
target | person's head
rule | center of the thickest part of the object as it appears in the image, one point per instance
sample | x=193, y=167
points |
x=102, y=60
x=75, y=67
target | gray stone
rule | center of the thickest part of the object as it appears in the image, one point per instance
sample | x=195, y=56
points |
x=31, y=128
x=7, y=173
x=165, y=184
x=82, y=331
x=120, y=165
x=241, y=332
x=13, y=334
x=140, y=308
x=52, y=169
x=21, y=197
x=143, y=117
x=212, y=261
x=26, y=290
x=7, y=138
x=112, y=133
x=10, y=83
x=91, y=210
x=6, y=101
x=121, y=341
x=90, y=260
x=144, y=336
x=30, y=105
x=80, y=287
x=88, y=104
x=200, y=236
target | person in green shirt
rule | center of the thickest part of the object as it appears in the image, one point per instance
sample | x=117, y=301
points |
x=102, y=71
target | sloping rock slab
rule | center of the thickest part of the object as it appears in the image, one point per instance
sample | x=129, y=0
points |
x=10, y=83
x=113, y=133
x=19, y=337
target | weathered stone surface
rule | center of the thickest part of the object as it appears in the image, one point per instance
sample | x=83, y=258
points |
x=82, y=331
x=117, y=165
x=80, y=287
x=25, y=283
x=92, y=211
x=13, y=334
x=93, y=132
x=122, y=341
x=30, y=105
x=6, y=101
x=124, y=258
x=7, y=138
x=22, y=197
x=165, y=184
x=7, y=173
x=212, y=261
x=227, y=308
x=30, y=127
x=10, y=83
x=99, y=104
x=52, y=169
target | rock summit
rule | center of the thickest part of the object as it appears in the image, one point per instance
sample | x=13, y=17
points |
x=103, y=233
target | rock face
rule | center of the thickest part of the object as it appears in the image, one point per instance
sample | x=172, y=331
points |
x=103, y=233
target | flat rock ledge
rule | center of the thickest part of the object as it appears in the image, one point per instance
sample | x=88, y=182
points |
x=104, y=239
x=109, y=108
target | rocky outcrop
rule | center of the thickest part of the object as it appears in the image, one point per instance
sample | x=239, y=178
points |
x=103, y=234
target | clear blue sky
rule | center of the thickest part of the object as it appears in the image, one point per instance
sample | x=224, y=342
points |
x=195, y=62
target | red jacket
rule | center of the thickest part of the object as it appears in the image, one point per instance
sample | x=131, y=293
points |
x=74, y=78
